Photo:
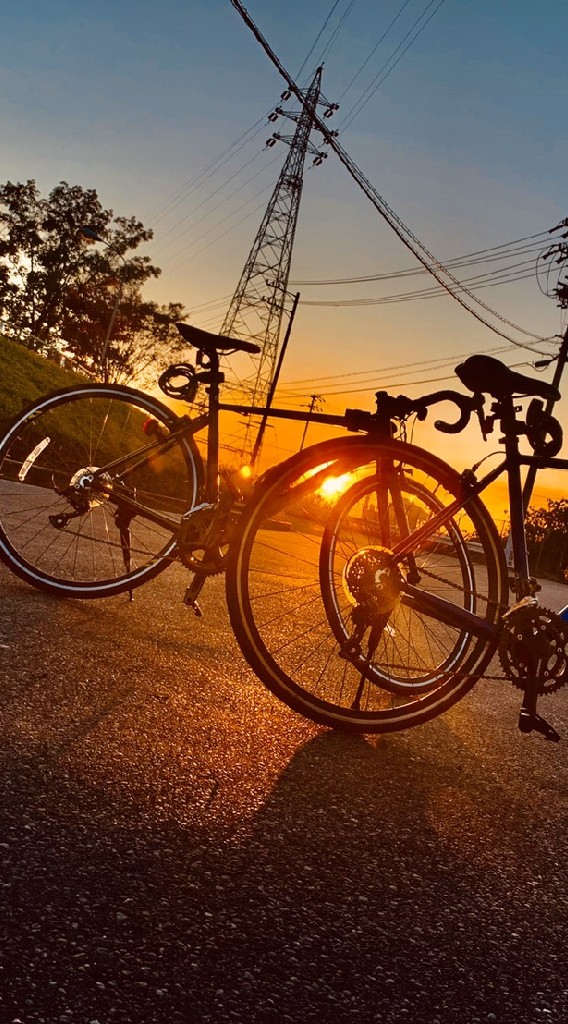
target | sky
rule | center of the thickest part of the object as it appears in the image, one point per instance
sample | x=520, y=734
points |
x=162, y=108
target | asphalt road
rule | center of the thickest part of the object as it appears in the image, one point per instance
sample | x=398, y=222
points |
x=176, y=846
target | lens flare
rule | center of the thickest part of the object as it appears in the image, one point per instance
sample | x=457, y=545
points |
x=333, y=486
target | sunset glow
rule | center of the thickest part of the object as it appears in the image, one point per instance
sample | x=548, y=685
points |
x=334, y=486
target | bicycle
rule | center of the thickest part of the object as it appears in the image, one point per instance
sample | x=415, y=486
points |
x=366, y=582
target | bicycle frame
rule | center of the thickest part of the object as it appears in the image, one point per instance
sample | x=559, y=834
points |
x=511, y=465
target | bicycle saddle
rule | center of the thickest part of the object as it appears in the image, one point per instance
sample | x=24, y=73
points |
x=492, y=377
x=206, y=342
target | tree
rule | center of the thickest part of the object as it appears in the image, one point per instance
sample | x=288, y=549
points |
x=547, y=538
x=57, y=292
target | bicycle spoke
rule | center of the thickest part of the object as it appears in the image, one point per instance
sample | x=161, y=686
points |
x=325, y=612
x=62, y=522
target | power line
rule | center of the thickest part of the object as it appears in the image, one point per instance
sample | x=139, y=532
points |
x=372, y=88
x=217, y=206
x=203, y=202
x=374, y=50
x=218, y=224
x=507, y=275
x=188, y=187
x=396, y=367
x=374, y=385
x=488, y=255
x=468, y=259
x=318, y=37
x=333, y=38
x=193, y=183
x=441, y=274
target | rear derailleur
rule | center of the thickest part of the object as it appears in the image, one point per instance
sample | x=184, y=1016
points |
x=372, y=584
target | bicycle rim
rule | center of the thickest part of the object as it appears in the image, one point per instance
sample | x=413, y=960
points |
x=62, y=534
x=292, y=612
x=416, y=651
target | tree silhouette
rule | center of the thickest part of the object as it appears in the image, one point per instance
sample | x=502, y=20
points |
x=57, y=292
x=547, y=537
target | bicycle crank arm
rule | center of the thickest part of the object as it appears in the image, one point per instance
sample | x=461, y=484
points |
x=529, y=720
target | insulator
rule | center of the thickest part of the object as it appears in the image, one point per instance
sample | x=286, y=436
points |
x=273, y=116
x=271, y=142
x=318, y=160
x=285, y=95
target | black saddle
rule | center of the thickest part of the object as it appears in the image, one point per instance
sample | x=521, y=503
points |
x=486, y=375
x=209, y=343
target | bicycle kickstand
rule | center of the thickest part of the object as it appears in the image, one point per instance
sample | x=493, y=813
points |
x=529, y=720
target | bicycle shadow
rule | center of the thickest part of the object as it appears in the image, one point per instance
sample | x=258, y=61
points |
x=375, y=883
x=376, y=880
x=378, y=877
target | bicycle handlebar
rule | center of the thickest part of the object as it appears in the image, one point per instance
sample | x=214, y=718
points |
x=400, y=407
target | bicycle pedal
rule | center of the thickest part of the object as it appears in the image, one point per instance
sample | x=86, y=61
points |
x=535, y=723
x=190, y=602
x=205, y=506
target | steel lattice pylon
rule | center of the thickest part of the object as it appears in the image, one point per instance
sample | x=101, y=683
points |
x=258, y=304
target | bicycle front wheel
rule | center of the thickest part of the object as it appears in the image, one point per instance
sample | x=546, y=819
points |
x=357, y=598
x=65, y=462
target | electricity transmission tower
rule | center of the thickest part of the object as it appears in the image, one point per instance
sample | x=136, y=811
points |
x=259, y=302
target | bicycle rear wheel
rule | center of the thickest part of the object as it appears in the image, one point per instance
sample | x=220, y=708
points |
x=59, y=529
x=315, y=555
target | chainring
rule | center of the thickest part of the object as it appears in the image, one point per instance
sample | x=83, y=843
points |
x=203, y=543
x=534, y=639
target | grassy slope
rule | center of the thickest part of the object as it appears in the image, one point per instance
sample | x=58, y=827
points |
x=25, y=376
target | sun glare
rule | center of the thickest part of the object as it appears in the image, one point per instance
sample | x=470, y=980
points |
x=333, y=486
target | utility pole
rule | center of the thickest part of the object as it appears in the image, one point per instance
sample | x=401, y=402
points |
x=274, y=382
x=315, y=403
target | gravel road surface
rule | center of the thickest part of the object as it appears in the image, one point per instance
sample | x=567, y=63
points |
x=176, y=847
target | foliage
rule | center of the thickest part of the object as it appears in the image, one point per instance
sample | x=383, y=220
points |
x=58, y=293
x=547, y=538
x=542, y=521
x=25, y=376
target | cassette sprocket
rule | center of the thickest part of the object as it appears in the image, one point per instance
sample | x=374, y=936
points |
x=534, y=639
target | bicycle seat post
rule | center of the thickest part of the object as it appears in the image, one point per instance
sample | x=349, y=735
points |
x=212, y=377
x=508, y=420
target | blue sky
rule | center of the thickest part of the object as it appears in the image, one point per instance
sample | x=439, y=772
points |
x=466, y=139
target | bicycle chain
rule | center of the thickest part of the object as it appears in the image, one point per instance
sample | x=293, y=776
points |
x=478, y=597
x=521, y=629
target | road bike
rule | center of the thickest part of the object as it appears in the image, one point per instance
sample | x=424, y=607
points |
x=366, y=582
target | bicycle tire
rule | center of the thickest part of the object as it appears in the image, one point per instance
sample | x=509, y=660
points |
x=61, y=438
x=286, y=622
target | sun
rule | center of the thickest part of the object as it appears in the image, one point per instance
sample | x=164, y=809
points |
x=333, y=486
